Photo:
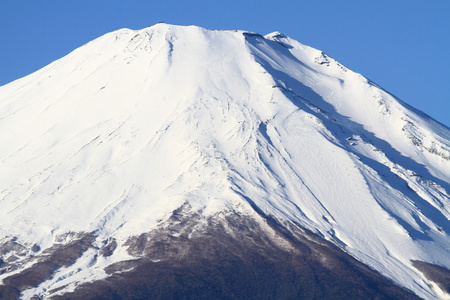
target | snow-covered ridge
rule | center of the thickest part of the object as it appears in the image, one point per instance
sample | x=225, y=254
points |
x=126, y=129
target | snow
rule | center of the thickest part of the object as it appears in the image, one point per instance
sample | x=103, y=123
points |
x=129, y=127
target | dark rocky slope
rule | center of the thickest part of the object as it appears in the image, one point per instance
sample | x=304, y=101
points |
x=236, y=257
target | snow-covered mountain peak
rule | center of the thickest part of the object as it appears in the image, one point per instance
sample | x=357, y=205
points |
x=139, y=126
x=273, y=35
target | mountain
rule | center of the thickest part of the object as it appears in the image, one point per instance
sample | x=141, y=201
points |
x=179, y=162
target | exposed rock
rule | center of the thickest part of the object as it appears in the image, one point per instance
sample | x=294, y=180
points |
x=437, y=274
x=259, y=260
x=47, y=264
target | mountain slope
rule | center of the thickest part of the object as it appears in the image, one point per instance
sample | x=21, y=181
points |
x=107, y=143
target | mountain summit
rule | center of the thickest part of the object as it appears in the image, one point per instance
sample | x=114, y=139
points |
x=179, y=162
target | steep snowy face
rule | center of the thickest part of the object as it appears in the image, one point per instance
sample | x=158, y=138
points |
x=122, y=132
x=135, y=109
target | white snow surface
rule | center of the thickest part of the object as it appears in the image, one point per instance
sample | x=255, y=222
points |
x=124, y=130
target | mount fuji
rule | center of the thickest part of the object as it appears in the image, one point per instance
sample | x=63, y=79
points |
x=178, y=162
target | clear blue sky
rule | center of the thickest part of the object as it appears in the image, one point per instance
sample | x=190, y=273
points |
x=402, y=45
